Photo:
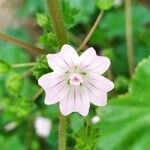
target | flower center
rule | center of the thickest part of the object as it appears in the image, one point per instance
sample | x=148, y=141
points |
x=75, y=79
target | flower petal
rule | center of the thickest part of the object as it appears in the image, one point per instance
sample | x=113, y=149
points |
x=70, y=55
x=82, y=103
x=87, y=57
x=54, y=86
x=76, y=101
x=50, y=79
x=57, y=63
x=64, y=60
x=97, y=97
x=99, y=65
x=56, y=94
x=99, y=82
x=66, y=105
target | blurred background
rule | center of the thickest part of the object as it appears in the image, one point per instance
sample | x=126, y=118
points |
x=26, y=123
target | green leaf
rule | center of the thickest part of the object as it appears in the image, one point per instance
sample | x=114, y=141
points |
x=16, y=107
x=86, y=138
x=105, y=4
x=4, y=67
x=121, y=84
x=49, y=41
x=43, y=21
x=86, y=8
x=41, y=67
x=11, y=143
x=22, y=106
x=70, y=14
x=14, y=84
x=127, y=117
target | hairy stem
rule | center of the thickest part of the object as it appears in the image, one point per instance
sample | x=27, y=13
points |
x=129, y=41
x=20, y=43
x=91, y=31
x=61, y=34
x=23, y=65
x=58, y=24
x=62, y=131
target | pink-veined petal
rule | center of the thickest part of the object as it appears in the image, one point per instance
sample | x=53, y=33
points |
x=56, y=94
x=97, y=97
x=82, y=103
x=77, y=100
x=85, y=101
x=99, y=65
x=66, y=105
x=87, y=57
x=50, y=79
x=54, y=85
x=64, y=60
x=100, y=82
x=70, y=55
x=57, y=63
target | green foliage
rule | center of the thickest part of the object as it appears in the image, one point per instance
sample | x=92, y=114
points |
x=86, y=138
x=14, y=84
x=86, y=9
x=115, y=37
x=21, y=106
x=43, y=21
x=109, y=53
x=105, y=4
x=70, y=14
x=121, y=84
x=41, y=67
x=124, y=122
x=4, y=67
x=11, y=143
x=128, y=116
x=48, y=38
x=76, y=122
x=30, y=7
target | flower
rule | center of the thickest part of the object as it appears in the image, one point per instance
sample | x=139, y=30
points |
x=95, y=119
x=76, y=80
x=10, y=126
x=42, y=126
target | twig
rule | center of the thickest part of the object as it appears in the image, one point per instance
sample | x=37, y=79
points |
x=20, y=43
x=23, y=65
x=37, y=94
x=91, y=31
x=129, y=41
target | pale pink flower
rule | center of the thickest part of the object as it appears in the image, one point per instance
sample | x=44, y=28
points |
x=76, y=80
x=42, y=126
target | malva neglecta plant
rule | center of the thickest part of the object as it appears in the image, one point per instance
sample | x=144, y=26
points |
x=73, y=73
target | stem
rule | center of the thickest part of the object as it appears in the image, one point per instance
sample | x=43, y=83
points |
x=62, y=130
x=17, y=42
x=61, y=35
x=76, y=39
x=58, y=24
x=91, y=31
x=23, y=65
x=37, y=94
x=130, y=51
